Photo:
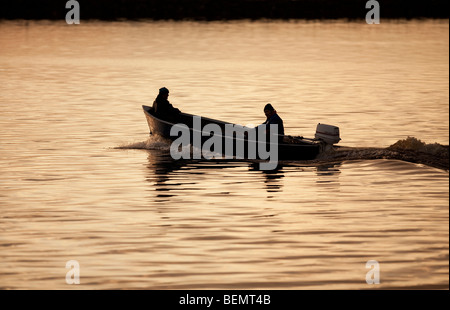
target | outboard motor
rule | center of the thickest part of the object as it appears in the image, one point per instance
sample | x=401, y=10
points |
x=327, y=133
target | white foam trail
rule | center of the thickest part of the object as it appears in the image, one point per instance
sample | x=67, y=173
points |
x=152, y=143
x=415, y=144
x=410, y=149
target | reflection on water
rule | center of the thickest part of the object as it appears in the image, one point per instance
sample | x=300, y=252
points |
x=164, y=171
x=80, y=181
x=273, y=178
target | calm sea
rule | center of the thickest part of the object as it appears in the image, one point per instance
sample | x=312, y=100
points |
x=81, y=179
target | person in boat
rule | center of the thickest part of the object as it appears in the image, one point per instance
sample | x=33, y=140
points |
x=273, y=118
x=163, y=108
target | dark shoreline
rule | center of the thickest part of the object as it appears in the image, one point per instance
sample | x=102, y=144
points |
x=213, y=10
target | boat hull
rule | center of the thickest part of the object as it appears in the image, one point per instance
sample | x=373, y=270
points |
x=301, y=150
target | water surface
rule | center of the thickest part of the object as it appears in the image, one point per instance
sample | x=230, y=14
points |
x=81, y=180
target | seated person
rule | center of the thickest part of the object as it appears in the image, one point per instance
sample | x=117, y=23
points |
x=273, y=118
x=163, y=108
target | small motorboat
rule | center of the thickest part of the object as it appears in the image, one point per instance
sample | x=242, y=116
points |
x=289, y=147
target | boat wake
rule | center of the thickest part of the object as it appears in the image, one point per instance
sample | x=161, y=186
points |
x=161, y=144
x=410, y=150
x=152, y=143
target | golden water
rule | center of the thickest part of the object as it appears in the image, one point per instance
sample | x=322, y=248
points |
x=134, y=218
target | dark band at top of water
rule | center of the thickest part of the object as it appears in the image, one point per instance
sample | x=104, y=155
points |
x=222, y=9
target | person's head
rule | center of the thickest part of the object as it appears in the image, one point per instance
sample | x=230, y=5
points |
x=164, y=93
x=269, y=110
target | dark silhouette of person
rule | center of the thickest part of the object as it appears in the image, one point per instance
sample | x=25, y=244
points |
x=273, y=118
x=163, y=108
